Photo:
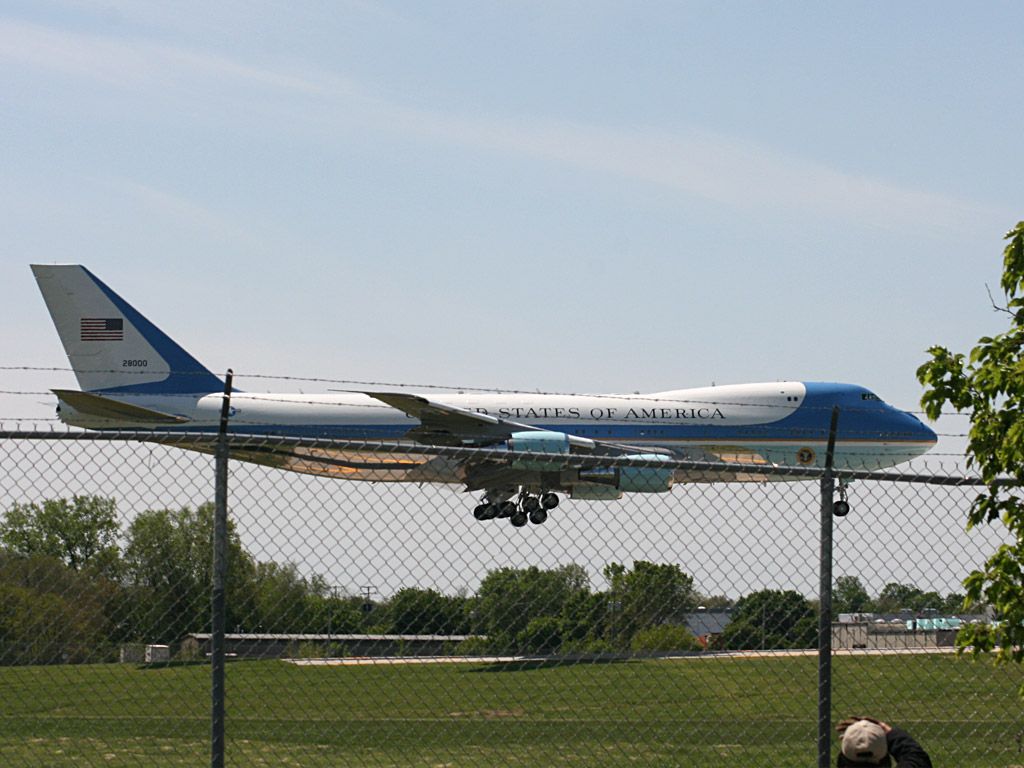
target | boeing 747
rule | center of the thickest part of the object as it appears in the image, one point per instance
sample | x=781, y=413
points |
x=132, y=376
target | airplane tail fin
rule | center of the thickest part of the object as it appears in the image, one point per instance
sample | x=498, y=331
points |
x=112, y=348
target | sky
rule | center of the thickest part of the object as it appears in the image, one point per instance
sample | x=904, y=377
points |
x=558, y=196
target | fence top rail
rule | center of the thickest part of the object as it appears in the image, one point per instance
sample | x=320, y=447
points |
x=206, y=441
x=336, y=636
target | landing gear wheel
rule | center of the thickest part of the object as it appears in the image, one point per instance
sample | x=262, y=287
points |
x=539, y=516
x=841, y=508
x=549, y=500
x=530, y=504
x=506, y=509
x=518, y=518
x=482, y=511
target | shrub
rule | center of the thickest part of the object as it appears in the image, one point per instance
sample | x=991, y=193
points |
x=665, y=637
x=593, y=647
x=472, y=646
x=542, y=635
x=310, y=651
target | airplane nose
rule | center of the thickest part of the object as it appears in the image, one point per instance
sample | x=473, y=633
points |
x=922, y=432
x=931, y=437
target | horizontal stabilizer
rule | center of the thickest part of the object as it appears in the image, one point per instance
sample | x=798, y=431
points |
x=107, y=408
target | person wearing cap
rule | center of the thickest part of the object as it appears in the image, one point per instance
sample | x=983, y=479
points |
x=867, y=741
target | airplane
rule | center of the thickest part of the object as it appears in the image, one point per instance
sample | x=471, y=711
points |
x=132, y=376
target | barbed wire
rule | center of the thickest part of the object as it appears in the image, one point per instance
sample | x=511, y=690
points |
x=653, y=397
x=747, y=430
x=714, y=469
x=57, y=424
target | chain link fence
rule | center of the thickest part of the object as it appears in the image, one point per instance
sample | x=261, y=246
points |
x=380, y=624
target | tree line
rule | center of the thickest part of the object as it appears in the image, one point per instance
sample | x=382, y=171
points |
x=850, y=596
x=74, y=587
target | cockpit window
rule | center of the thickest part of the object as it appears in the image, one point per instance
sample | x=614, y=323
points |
x=870, y=396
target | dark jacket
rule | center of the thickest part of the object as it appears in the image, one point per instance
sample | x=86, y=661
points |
x=902, y=748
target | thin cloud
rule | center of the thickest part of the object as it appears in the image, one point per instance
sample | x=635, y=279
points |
x=125, y=64
x=707, y=165
x=732, y=172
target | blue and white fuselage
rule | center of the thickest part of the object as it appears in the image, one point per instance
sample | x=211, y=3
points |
x=134, y=377
x=784, y=423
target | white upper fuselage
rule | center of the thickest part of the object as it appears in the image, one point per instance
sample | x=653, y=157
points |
x=779, y=422
x=135, y=377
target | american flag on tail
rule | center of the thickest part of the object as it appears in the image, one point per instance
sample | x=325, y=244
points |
x=102, y=329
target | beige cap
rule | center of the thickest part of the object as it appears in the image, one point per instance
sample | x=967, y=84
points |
x=864, y=742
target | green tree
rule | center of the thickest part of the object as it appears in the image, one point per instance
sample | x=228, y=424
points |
x=81, y=532
x=335, y=615
x=929, y=601
x=989, y=386
x=953, y=603
x=542, y=635
x=771, y=619
x=281, y=599
x=648, y=595
x=50, y=613
x=584, y=619
x=665, y=637
x=898, y=597
x=849, y=596
x=415, y=611
x=509, y=598
x=169, y=562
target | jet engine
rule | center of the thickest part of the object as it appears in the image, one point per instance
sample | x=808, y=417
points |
x=544, y=442
x=632, y=479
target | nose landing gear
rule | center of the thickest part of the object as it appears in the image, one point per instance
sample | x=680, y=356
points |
x=841, y=508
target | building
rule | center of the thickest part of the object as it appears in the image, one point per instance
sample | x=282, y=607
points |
x=877, y=631
x=707, y=626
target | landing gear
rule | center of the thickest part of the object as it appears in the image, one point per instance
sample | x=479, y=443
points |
x=528, y=508
x=841, y=508
x=492, y=509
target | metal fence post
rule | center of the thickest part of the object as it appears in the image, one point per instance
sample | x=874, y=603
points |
x=220, y=572
x=825, y=600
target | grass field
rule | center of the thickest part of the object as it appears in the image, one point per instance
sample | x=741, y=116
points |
x=708, y=712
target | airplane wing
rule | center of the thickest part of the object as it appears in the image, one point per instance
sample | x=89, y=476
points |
x=442, y=424
x=371, y=462
x=475, y=467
